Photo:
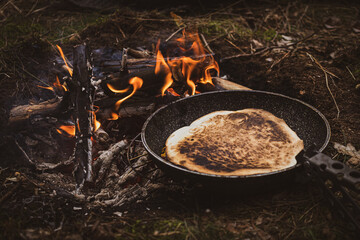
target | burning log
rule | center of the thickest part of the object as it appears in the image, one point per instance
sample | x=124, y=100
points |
x=134, y=65
x=84, y=111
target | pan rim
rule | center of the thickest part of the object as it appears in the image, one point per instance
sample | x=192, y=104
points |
x=169, y=164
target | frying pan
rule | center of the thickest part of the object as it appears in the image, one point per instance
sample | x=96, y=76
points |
x=308, y=123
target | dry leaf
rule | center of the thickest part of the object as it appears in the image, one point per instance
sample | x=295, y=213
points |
x=257, y=43
x=259, y=221
x=349, y=150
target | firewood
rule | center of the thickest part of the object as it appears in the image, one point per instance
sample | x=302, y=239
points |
x=103, y=162
x=135, y=62
x=138, y=54
x=84, y=92
x=101, y=136
x=20, y=114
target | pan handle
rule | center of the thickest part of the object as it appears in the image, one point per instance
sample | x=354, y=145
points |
x=332, y=169
x=333, y=176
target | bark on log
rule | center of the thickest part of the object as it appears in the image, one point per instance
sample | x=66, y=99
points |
x=83, y=115
x=20, y=114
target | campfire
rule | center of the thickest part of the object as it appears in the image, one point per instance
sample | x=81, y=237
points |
x=92, y=98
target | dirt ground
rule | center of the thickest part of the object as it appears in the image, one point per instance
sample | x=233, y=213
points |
x=321, y=67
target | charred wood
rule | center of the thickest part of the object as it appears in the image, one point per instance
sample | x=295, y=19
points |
x=20, y=114
x=83, y=115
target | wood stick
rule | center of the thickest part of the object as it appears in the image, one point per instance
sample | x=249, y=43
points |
x=101, y=136
x=123, y=66
x=220, y=84
x=227, y=85
x=83, y=115
x=138, y=54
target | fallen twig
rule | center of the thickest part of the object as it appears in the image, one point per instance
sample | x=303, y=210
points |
x=352, y=75
x=232, y=44
x=173, y=34
x=206, y=45
x=260, y=51
x=326, y=72
x=277, y=62
x=24, y=153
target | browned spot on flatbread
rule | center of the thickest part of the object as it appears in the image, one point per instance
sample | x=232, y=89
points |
x=241, y=142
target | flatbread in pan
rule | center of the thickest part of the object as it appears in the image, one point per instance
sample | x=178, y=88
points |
x=244, y=142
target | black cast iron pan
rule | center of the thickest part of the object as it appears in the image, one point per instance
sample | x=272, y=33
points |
x=308, y=123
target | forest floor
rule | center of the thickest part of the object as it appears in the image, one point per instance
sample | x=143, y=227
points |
x=321, y=67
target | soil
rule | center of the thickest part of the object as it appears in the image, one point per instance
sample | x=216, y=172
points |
x=30, y=209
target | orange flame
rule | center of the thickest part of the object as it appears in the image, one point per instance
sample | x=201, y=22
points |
x=114, y=116
x=69, y=129
x=97, y=124
x=161, y=66
x=116, y=90
x=207, y=75
x=172, y=92
x=64, y=58
x=56, y=86
x=136, y=82
x=48, y=88
x=59, y=86
x=194, y=70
